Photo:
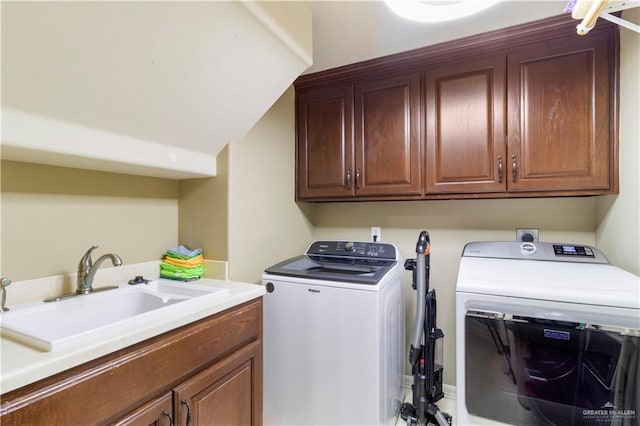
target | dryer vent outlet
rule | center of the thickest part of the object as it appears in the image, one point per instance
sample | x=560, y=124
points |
x=527, y=234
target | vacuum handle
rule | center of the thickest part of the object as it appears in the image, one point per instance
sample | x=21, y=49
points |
x=423, y=243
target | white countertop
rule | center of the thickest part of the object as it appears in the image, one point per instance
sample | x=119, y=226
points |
x=22, y=365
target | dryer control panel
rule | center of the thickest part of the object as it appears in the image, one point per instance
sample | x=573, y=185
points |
x=560, y=252
x=571, y=250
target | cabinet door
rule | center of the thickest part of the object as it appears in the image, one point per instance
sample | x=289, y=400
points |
x=325, y=143
x=229, y=393
x=387, y=132
x=560, y=134
x=465, y=126
x=157, y=412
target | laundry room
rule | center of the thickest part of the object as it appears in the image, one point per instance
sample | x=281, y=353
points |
x=249, y=214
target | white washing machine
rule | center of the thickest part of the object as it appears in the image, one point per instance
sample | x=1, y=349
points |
x=334, y=336
x=547, y=334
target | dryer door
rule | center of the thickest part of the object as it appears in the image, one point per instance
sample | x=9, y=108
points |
x=530, y=371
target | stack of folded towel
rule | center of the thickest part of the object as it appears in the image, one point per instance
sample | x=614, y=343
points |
x=180, y=263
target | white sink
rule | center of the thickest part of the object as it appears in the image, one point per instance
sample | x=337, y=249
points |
x=83, y=319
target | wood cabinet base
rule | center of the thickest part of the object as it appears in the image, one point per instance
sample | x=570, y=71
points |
x=214, y=365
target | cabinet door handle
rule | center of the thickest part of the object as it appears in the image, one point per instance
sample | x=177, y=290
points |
x=347, y=178
x=357, y=177
x=168, y=415
x=500, y=169
x=514, y=169
x=186, y=404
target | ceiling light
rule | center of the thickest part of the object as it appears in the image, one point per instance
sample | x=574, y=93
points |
x=438, y=10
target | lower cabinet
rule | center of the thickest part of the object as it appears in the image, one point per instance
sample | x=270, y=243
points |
x=221, y=394
x=205, y=373
x=158, y=411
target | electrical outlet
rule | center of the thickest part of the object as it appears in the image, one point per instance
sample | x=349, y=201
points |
x=376, y=234
x=527, y=234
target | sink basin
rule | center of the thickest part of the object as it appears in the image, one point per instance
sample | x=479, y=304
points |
x=101, y=315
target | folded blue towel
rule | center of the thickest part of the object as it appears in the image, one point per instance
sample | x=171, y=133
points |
x=183, y=252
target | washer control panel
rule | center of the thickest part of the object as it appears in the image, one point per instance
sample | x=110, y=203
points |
x=349, y=249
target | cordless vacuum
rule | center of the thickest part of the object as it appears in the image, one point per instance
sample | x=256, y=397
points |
x=425, y=346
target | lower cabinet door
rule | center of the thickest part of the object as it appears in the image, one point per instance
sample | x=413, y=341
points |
x=157, y=412
x=227, y=393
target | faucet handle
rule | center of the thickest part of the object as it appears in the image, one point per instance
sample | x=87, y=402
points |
x=4, y=283
x=86, y=262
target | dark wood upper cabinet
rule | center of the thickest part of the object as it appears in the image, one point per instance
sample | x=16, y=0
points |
x=325, y=143
x=387, y=136
x=360, y=140
x=560, y=127
x=527, y=111
x=465, y=126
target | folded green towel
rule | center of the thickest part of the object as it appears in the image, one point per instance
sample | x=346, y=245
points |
x=168, y=270
x=179, y=276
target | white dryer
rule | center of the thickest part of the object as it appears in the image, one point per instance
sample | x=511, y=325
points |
x=547, y=334
x=334, y=336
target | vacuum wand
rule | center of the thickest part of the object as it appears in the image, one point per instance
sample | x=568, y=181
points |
x=420, y=282
x=427, y=374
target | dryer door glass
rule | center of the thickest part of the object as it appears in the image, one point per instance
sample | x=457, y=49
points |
x=529, y=371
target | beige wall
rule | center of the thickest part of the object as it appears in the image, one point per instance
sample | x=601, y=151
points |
x=451, y=224
x=265, y=224
x=203, y=207
x=618, y=217
x=52, y=215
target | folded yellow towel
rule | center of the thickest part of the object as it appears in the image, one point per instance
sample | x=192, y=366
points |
x=185, y=263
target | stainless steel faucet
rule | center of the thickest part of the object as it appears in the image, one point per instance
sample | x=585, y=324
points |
x=87, y=269
x=86, y=272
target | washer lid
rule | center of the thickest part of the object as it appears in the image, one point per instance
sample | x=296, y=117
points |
x=584, y=283
x=342, y=261
x=361, y=271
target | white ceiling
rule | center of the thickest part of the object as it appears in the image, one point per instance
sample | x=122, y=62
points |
x=345, y=32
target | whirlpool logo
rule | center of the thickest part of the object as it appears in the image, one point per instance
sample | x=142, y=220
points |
x=557, y=334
